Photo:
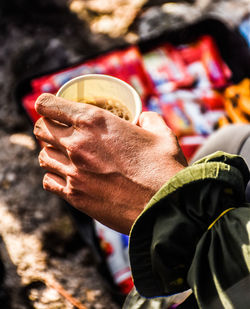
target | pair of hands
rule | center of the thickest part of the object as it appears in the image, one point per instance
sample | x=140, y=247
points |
x=101, y=164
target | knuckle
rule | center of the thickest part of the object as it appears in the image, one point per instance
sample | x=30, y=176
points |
x=99, y=117
x=41, y=158
x=79, y=144
x=78, y=119
x=73, y=177
x=92, y=117
x=37, y=127
x=72, y=193
x=73, y=142
x=76, y=158
x=46, y=185
x=73, y=148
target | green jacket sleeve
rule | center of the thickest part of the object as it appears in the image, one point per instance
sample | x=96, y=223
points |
x=195, y=232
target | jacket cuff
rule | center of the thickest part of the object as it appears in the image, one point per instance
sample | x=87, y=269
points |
x=164, y=237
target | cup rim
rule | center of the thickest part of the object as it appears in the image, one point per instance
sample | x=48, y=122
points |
x=138, y=102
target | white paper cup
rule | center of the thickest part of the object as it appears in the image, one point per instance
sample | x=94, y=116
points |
x=92, y=86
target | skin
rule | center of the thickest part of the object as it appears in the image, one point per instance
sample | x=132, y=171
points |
x=101, y=164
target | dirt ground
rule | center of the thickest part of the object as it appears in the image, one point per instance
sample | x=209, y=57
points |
x=45, y=261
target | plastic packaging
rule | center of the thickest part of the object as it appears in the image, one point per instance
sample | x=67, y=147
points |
x=166, y=69
x=115, y=247
x=244, y=28
x=237, y=103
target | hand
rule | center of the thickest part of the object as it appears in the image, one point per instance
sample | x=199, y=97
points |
x=101, y=164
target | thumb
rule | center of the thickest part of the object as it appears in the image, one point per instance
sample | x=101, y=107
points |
x=153, y=122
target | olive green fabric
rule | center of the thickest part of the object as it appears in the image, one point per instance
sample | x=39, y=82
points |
x=171, y=245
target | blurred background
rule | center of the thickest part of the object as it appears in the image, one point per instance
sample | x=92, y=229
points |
x=189, y=61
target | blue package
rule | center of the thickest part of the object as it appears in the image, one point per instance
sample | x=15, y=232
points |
x=245, y=29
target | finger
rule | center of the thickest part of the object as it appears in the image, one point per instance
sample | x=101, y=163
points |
x=54, y=161
x=153, y=122
x=59, y=109
x=55, y=184
x=52, y=133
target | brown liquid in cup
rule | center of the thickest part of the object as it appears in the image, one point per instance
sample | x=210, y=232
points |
x=112, y=105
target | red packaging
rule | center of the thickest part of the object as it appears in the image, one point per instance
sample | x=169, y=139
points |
x=128, y=66
x=205, y=51
x=190, y=144
x=51, y=83
x=217, y=70
x=213, y=100
x=115, y=248
x=135, y=73
x=190, y=53
x=166, y=69
x=176, y=118
x=178, y=71
x=42, y=84
x=110, y=64
x=29, y=105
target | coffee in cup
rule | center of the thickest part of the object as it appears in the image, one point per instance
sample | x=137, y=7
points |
x=106, y=92
x=112, y=105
